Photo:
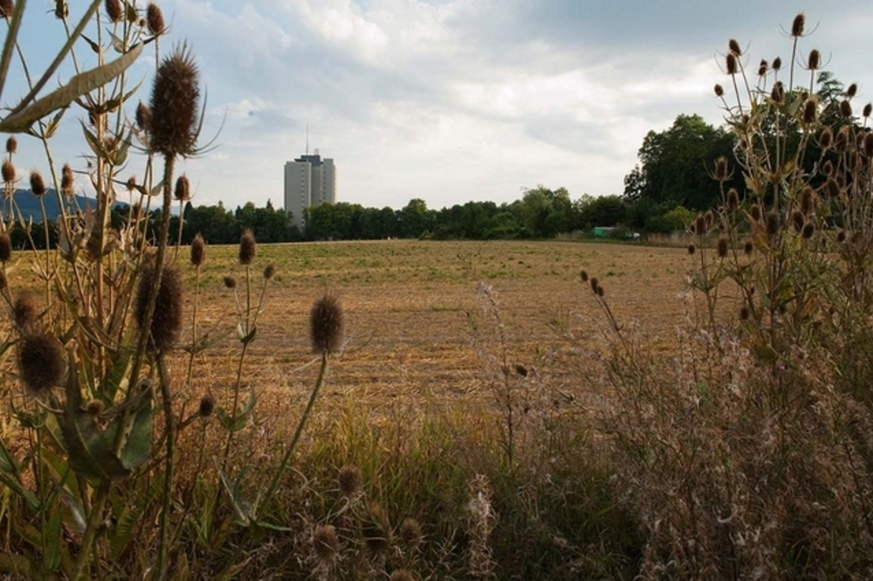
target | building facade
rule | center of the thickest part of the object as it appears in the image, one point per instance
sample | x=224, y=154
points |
x=310, y=180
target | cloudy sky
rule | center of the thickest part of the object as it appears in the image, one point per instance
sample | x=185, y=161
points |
x=457, y=100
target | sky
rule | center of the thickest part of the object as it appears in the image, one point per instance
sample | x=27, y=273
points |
x=450, y=101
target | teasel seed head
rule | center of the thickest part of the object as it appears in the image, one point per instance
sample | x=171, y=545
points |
x=748, y=248
x=376, y=529
x=154, y=19
x=691, y=249
x=798, y=220
x=248, y=248
x=401, y=575
x=599, y=291
x=772, y=223
x=808, y=230
x=326, y=325
x=325, y=542
x=777, y=63
x=4, y=284
x=40, y=361
x=841, y=141
x=351, y=483
x=583, y=275
x=745, y=313
x=143, y=116
x=5, y=247
x=731, y=65
x=206, y=407
x=198, y=251
x=826, y=139
x=700, y=226
x=182, y=191
x=721, y=168
x=841, y=236
x=6, y=8
x=167, y=318
x=814, y=60
x=845, y=108
x=594, y=283
x=95, y=407
x=733, y=199
x=113, y=10
x=24, y=311
x=852, y=90
x=130, y=185
x=868, y=145
x=11, y=145
x=521, y=370
x=828, y=168
x=175, y=103
x=734, y=47
x=410, y=533
x=8, y=172
x=62, y=9
x=777, y=93
x=755, y=213
x=763, y=67
x=269, y=271
x=807, y=199
x=797, y=25
x=229, y=281
x=67, y=180
x=810, y=110
x=868, y=110
x=722, y=248
x=37, y=185
x=719, y=90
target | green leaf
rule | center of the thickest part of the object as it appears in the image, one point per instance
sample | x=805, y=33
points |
x=237, y=422
x=241, y=507
x=138, y=445
x=78, y=85
x=9, y=472
x=116, y=378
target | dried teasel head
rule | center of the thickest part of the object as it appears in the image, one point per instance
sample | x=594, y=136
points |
x=777, y=63
x=722, y=247
x=807, y=200
x=269, y=271
x=734, y=47
x=143, y=116
x=113, y=10
x=700, y=225
x=37, y=184
x=852, y=90
x=845, y=108
x=721, y=168
x=745, y=313
x=691, y=249
x=325, y=543
x=733, y=199
x=182, y=191
x=798, y=24
x=248, y=248
x=130, y=184
x=808, y=230
x=25, y=311
x=198, y=251
x=772, y=223
x=376, y=529
x=8, y=172
x=6, y=8
x=868, y=110
x=798, y=220
x=229, y=281
x=166, y=322
x=731, y=64
x=868, y=145
x=718, y=90
x=826, y=139
x=67, y=180
x=583, y=275
x=41, y=362
x=5, y=247
x=828, y=168
x=748, y=248
x=11, y=145
x=155, y=19
x=814, y=61
x=763, y=67
x=350, y=481
x=841, y=236
x=206, y=407
x=326, y=325
x=777, y=93
x=841, y=141
x=410, y=533
x=175, y=102
x=810, y=110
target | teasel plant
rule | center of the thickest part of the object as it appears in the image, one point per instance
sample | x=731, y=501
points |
x=91, y=354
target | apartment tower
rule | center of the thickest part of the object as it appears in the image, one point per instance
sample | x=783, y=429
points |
x=310, y=180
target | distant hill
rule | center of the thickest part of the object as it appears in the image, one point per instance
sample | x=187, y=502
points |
x=28, y=204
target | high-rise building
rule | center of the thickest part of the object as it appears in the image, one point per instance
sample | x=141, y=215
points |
x=310, y=180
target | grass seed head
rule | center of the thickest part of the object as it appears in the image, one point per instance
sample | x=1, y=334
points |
x=350, y=481
x=8, y=172
x=198, y=250
x=798, y=24
x=5, y=247
x=175, y=105
x=37, y=185
x=167, y=318
x=11, y=145
x=40, y=361
x=155, y=19
x=325, y=542
x=25, y=311
x=182, y=191
x=113, y=10
x=326, y=324
x=248, y=248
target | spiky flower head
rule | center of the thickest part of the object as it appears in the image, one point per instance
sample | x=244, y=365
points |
x=722, y=247
x=808, y=230
x=95, y=407
x=326, y=324
x=841, y=236
x=248, y=248
x=777, y=63
x=410, y=533
x=734, y=47
x=868, y=145
x=325, y=542
x=8, y=172
x=166, y=320
x=67, y=180
x=583, y=274
x=155, y=19
x=777, y=93
x=691, y=249
x=798, y=24
x=826, y=139
x=6, y=8
x=868, y=110
x=37, y=185
x=845, y=108
x=814, y=60
x=182, y=191
x=229, y=281
x=11, y=145
x=852, y=90
x=721, y=168
x=113, y=10
x=269, y=271
x=143, y=116
x=718, y=90
x=733, y=199
x=5, y=247
x=772, y=223
x=745, y=313
x=731, y=65
x=350, y=481
x=798, y=219
x=841, y=141
x=763, y=67
x=24, y=311
x=748, y=248
x=198, y=251
x=175, y=105
x=810, y=110
x=700, y=225
x=206, y=407
x=40, y=361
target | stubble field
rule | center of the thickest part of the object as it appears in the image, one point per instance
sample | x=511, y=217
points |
x=415, y=322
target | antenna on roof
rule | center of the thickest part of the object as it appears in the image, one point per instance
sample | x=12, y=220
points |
x=307, y=139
